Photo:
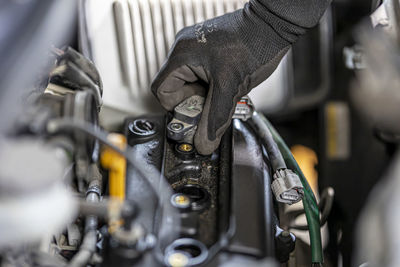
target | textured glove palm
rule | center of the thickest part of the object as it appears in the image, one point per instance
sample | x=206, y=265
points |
x=225, y=57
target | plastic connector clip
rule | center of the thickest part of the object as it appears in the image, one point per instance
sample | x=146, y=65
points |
x=287, y=186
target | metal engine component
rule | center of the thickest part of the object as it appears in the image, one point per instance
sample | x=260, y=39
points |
x=213, y=195
x=150, y=199
x=186, y=116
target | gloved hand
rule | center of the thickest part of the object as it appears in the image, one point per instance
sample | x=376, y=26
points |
x=225, y=57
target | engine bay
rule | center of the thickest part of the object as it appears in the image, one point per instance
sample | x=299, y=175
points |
x=93, y=172
x=143, y=194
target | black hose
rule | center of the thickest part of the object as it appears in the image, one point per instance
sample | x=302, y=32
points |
x=326, y=203
x=325, y=206
x=59, y=125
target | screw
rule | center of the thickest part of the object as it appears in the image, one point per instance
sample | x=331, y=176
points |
x=176, y=126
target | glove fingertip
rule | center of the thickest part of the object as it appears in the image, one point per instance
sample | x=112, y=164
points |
x=158, y=80
x=203, y=145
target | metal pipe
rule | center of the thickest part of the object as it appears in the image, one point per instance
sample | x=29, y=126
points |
x=86, y=251
x=97, y=209
x=88, y=246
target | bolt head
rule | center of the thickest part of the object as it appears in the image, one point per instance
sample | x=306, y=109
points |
x=176, y=126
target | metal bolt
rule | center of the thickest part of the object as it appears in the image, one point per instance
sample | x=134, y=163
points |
x=178, y=259
x=180, y=200
x=176, y=126
x=185, y=147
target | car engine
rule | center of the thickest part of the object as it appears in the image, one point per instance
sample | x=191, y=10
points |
x=94, y=173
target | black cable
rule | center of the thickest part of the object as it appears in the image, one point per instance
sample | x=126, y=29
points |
x=59, y=125
x=327, y=197
x=274, y=154
x=325, y=206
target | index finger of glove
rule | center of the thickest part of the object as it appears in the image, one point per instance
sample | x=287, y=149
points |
x=173, y=86
x=216, y=117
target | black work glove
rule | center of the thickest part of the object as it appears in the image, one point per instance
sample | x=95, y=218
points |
x=225, y=57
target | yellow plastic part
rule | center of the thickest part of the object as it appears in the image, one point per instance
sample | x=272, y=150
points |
x=114, y=212
x=116, y=165
x=307, y=160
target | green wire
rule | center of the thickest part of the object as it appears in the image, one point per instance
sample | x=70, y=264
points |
x=309, y=201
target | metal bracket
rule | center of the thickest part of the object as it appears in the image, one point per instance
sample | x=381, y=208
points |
x=186, y=116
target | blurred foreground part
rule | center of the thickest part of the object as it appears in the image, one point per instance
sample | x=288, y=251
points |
x=33, y=172
x=129, y=40
x=377, y=94
x=42, y=170
x=377, y=235
x=28, y=30
x=33, y=176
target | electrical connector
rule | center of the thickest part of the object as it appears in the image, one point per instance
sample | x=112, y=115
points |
x=244, y=109
x=186, y=117
x=287, y=186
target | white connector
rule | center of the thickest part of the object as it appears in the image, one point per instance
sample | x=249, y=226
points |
x=287, y=186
